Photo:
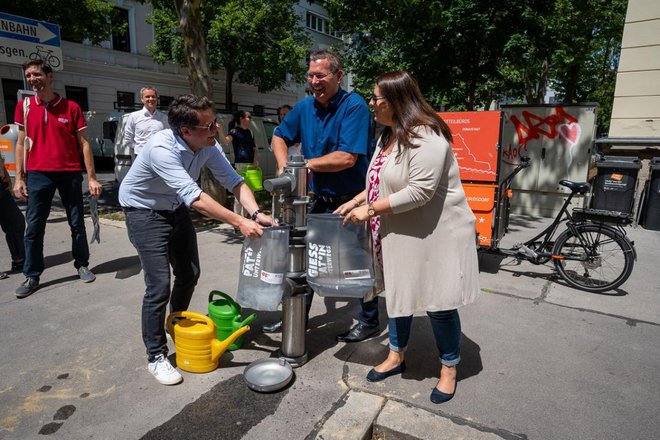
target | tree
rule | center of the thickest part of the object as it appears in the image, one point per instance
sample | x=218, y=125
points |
x=77, y=20
x=194, y=46
x=451, y=47
x=257, y=42
x=584, y=66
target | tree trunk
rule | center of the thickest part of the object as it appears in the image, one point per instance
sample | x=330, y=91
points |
x=190, y=22
x=192, y=31
x=229, y=94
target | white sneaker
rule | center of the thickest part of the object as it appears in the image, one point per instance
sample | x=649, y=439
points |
x=163, y=371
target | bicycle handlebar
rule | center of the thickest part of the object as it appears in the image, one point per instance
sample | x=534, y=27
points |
x=524, y=163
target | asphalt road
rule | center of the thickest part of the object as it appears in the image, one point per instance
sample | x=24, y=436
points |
x=539, y=360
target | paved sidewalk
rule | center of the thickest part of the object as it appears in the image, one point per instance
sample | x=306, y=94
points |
x=539, y=360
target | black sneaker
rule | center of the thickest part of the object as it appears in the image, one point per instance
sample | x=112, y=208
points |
x=27, y=288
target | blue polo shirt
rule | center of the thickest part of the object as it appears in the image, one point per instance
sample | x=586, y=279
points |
x=342, y=126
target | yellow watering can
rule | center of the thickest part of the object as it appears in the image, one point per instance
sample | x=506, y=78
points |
x=194, y=336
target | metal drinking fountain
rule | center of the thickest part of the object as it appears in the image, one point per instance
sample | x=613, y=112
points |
x=289, y=197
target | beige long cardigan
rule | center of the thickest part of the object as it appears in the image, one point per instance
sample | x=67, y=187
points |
x=428, y=242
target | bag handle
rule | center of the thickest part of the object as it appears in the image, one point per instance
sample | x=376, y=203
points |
x=27, y=143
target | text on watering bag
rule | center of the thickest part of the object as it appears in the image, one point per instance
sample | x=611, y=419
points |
x=319, y=259
x=252, y=263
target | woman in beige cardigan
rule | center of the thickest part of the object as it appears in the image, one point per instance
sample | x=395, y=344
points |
x=422, y=227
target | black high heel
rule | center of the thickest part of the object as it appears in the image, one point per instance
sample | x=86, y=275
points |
x=438, y=396
x=375, y=376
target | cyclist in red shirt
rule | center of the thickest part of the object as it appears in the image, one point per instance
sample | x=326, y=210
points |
x=52, y=132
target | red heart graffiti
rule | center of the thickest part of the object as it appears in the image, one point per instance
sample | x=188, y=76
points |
x=570, y=132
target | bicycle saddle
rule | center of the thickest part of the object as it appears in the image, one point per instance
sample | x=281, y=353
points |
x=576, y=187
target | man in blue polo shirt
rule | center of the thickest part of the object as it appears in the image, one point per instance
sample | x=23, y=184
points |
x=332, y=127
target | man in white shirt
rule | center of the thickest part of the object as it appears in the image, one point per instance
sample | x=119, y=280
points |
x=141, y=124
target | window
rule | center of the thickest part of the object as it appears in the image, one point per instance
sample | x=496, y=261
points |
x=126, y=100
x=110, y=130
x=121, y=38
x=165, y=101
x=10, y=88
x=77, y=95
x=320, y=24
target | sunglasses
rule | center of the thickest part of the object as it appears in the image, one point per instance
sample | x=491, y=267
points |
x=375, y=98
x=211, y=127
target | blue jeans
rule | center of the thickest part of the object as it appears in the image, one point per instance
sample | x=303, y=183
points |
x=446, y=327
x=369, y=309
x=163, y=238
x=13, y=225
x=41, y=188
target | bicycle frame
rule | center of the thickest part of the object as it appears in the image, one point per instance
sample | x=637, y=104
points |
x=540, y=252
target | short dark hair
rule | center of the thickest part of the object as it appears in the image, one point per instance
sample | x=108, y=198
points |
x=333, y=59
x=41, y=64
x=282, y=107
x=182, y=112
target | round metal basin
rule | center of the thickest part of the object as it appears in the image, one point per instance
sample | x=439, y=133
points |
x=266, y=375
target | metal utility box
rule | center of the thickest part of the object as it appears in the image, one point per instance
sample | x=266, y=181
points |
x=614, y=186
x=558, y=139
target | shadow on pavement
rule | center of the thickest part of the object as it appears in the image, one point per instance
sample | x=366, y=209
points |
x=57, y=259
x=125, y=267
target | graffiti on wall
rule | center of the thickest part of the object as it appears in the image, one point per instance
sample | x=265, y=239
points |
x=560, y=124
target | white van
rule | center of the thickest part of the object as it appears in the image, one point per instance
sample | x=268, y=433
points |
x=262, y=128
x=101, y=131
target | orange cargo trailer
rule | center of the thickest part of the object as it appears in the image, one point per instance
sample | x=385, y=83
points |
x=476, y=147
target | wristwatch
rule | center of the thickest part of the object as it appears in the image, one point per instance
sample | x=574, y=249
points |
x=370, y=210
x=255, y=214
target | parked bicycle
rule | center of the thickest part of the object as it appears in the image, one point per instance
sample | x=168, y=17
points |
x=46, y=55
x=593, y=253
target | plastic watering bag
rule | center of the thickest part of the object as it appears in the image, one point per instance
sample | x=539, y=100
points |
x=263, y=268
x=339, y=260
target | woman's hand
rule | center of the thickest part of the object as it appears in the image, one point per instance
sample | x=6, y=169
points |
x=357, y=215
x=347, y=207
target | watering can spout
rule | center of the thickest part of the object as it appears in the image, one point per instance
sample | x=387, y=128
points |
x=246, y=321
x=219, y=347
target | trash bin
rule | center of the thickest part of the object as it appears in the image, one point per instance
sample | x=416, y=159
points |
x=614, y=187
x=652, y=205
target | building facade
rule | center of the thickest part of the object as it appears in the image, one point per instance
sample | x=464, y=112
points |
x=636, y=107
x=108, y=77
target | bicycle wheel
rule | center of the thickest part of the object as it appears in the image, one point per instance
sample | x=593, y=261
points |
x=597, y=259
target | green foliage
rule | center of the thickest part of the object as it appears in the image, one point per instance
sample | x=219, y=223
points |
x=451, y=47
x=259, y=41
x=465, y=53
x=78, y=19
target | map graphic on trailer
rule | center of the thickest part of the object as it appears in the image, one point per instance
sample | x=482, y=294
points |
x=476, y=137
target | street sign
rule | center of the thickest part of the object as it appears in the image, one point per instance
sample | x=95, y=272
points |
x=23, y=39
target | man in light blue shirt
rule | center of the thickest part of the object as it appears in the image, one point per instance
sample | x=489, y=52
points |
x=141, y=124
x=156, y=194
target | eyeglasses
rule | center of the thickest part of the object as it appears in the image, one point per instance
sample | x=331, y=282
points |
x=211, y=127
x=311, y=76
x=376, y=97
